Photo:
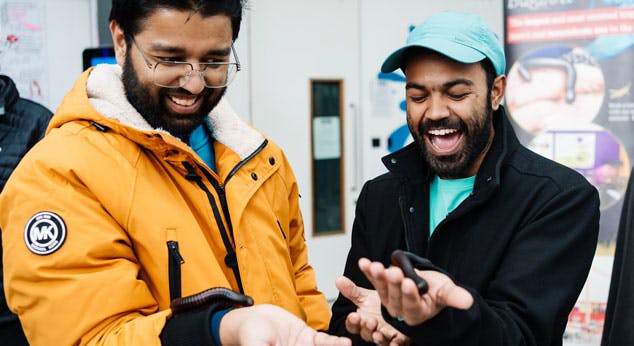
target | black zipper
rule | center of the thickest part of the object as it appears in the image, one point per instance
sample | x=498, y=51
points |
x=231, y=258
x=222, y=196
x=246, y=159
x=220, y=189
x=175, y=262
x=281, y=229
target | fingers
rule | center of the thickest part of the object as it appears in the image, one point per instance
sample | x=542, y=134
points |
x=375, y=273
x=394, y=303
x=323, y=339
x=384, y=334
x=413, y=304
x=400, y=340
x=368, y=327
x=455, y=296
x=379, y=339
x=351, y=291
x=371, y=329
x=364, y=326
x=446, y=292
x=367, y=301
x=388, y=335
x=400, y=295
x=387, y=283
x=353, y=323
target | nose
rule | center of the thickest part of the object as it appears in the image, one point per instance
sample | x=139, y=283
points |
x=194, y=82
x=437, y=109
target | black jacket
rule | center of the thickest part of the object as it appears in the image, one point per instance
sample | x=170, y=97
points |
x=22, y=124
x=619, y=316
x=522, y=243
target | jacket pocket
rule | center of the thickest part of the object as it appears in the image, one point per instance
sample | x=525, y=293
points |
x=175, y=261
x=281, y=229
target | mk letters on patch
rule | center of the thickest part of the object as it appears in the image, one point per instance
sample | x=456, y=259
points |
x=44, y=233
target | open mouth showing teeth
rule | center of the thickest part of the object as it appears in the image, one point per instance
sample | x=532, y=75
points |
x=444, y=141
x=183, y=101
x=442, y=132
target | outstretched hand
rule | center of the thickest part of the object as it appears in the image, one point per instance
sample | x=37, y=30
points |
x=400, y=296
x=367, y=320
x=270, y=325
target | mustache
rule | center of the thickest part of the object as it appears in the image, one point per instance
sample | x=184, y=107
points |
x=445, y=123
x=181, y=91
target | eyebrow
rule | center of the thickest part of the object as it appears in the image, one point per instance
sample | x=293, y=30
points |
x=447, y=85
x=158, y=47
x=464, y=81
x=412, y=85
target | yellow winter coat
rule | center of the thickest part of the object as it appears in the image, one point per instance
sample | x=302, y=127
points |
x=90, y=214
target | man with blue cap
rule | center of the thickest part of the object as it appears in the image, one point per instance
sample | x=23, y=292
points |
x=502, y=239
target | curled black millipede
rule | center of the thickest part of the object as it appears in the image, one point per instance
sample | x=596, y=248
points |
x=218, y=295
x=403, y=260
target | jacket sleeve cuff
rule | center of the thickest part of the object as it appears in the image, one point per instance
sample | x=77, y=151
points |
x=449, y=326
x=215, y=324
x=192, y=328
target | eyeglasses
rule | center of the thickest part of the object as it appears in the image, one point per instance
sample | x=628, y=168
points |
x=175, y=74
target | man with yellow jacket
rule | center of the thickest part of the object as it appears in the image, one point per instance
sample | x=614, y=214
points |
x=148, y=190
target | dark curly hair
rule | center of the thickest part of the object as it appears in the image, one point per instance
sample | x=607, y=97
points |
x=130, y=14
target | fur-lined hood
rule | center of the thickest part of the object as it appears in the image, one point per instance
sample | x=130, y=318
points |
x=98, y=96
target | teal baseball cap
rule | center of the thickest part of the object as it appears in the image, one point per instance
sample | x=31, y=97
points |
x=464, y=37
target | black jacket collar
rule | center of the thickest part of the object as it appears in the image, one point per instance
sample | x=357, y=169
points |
x=409, y=163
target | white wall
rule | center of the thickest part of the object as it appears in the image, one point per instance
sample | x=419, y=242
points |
x=66, y=42
x=239, y=92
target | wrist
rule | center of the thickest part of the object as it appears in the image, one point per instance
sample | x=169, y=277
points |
x=216, y=318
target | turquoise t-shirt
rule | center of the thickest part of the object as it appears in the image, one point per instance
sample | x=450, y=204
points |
x=444, y=196
x=201, y=140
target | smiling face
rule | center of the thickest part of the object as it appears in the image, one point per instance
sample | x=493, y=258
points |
x=172, y=35
x=449, y=112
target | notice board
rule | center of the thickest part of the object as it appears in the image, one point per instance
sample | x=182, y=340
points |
x=41, y=45
x=569, y=96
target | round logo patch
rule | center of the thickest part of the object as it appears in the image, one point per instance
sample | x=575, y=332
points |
x=44, y=233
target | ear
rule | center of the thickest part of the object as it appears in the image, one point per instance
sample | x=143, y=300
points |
x=118, y=40
x=497, y=91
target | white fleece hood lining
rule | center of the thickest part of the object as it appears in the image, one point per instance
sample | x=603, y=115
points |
x=107, y=95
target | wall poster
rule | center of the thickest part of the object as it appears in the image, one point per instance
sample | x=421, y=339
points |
x=23, y=49
x=570, y=98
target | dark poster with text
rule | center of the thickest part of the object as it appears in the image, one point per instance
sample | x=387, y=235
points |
x=569, y=95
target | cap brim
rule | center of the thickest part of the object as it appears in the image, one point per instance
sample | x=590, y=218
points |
x=393, y=61
x=453, y=50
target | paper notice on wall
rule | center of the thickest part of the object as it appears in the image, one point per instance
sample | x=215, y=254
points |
x=326, y=138
x=22, y=47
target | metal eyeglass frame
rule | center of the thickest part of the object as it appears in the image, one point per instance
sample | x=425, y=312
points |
x=188, y=75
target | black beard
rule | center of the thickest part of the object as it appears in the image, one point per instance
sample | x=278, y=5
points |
x=476, y=140
x=154, y=110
